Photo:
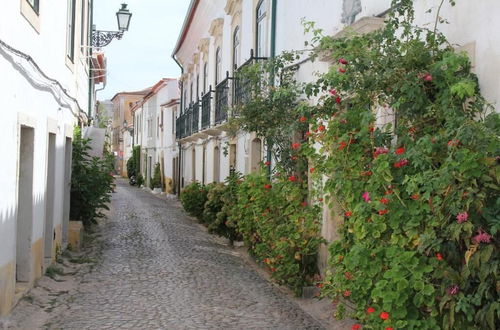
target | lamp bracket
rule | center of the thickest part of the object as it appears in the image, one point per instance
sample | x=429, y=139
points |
x=103, y=38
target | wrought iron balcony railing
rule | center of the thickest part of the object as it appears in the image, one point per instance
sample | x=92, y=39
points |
x=195, y=117
x=221, y=100
x=206, y=109
x=178, y=127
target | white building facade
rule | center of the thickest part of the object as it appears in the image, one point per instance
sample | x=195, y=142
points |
x=45, y=90
x=151, y=127
x=219, y=36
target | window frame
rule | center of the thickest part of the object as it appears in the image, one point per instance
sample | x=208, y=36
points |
x=258, y=20
x=70, y=30
x=35, y=6
x=236, y=47
x=218, y=63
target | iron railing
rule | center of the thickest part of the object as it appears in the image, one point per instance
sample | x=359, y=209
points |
x=206, y=109
x=221, y=100
x=195, y=116
x=178, y=127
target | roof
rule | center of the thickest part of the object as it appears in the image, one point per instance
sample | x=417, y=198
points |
x=185, y=27
x=152, y=91
x=141, y=92
x=170, y=102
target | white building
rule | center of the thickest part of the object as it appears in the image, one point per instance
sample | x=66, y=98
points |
x=45, y=88
x=219, y=36
x=150, y=131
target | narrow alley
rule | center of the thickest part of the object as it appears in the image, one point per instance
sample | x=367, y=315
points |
x=159, y=270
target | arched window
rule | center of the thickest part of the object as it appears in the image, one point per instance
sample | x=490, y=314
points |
x=261, y=28
x=218, y=60
x=236, y=47
x=205, y=77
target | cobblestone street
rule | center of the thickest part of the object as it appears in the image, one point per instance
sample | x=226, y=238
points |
x=159, y=270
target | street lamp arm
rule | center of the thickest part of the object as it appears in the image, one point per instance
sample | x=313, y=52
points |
x=103, y=38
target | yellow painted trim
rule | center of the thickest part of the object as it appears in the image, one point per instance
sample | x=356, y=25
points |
x=7, y=287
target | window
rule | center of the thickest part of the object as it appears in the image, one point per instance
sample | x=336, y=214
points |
x=83, y=24
x=236, y=47
x=185, y=99
x=35, y=5
x=197, y=87
x=261, y=29
x=191, y=92
x=218, y=61
x=70, y=30
x=205, y=77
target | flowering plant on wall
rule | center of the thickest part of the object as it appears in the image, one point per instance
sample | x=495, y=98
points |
x=418, y=190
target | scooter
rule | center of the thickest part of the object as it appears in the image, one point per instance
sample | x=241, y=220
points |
x=132, y=180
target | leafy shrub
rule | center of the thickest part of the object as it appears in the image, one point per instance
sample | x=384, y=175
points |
x=420, y=197
x=193, y=199
x=221, y=197
x=140, y=180
x=133, y=162
x=156, y=180
x=91, y=182
x=279, y=226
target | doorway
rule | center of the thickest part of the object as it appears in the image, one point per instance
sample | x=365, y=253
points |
x=49, y=234
x=24, y=224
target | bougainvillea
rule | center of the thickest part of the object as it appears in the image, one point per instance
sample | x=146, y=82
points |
x=420, y=233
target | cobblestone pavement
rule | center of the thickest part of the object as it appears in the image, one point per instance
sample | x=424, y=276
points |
x=159, y=270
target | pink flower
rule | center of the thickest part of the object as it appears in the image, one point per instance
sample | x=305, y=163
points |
x=481, y=237
x=453, y=290
x=401, y=163
x=379, y=151
x=427, y=77
x=366, y=196
x=333, y=92
x=462, y=217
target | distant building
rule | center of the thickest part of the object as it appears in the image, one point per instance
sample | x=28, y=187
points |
x=45, y=92
x=152, y=117
x=122, y=118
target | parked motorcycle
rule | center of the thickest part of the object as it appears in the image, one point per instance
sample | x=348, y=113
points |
x=132, y=180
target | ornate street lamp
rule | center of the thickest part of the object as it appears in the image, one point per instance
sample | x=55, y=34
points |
x=103, y=38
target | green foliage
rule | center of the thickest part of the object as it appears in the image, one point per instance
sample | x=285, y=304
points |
x=140, y=180
x=279, y=226
x=420, y=194
x=133, y=163
x=220, y=200
x=193, y=199
x=156, y=180
x=91, y=182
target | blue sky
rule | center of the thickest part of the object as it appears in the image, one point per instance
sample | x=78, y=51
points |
x=142, y=56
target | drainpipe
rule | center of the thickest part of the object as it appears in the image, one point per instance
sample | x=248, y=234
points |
x=89, y=59
x=179, y=147
x=274, y=7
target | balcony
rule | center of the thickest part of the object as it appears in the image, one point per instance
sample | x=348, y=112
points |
x=195, y=117
x=206, y=109
x=221, y=101
x=242, y=86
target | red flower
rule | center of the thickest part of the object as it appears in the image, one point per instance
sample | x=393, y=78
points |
x=343, y=61
x=342, y=145
x=308, y=134
x=366, y=173
x=389, y=328
x=267, y=186
x=348, y=214
x=356, y=326
x=384, y=201
x=292, y=178
x=400, y=163
x=341, y=70
x=302, y=119
x=453, y=143
x=320, y=199
x=294, y=157
x=346, y=293
x=338, y=99
x=427, y=77
x=384, y=316
x=388, y=192
x=348, y=275
x=379, y=151
x=415, y=197
x=321, y=128
x=268, y=163
x=370, y=310
x=311, y=170
x=303, y=204
x=439, y=256
x=333, y=92
x=400, y=151
x=295, y=145
x=382, y=212
x=319, y=285
x=371, y=128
